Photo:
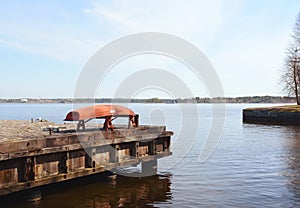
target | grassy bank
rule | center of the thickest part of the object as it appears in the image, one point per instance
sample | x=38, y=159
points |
x=284, y=108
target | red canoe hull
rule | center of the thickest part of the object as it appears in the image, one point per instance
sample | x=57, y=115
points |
x=98, y=111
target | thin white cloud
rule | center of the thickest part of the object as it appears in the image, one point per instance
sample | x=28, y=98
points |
x=60, y=40
x=59, y=46
x=249, y=49
x=198, y=21
x=245, y=53
x=114, y=17
x=194, y=20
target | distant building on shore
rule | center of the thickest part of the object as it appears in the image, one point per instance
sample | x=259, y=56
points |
x=24, y=100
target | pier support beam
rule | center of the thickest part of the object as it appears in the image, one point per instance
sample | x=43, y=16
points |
x=149, y=168
x=90, y=157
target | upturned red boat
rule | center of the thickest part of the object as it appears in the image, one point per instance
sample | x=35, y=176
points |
x=107, y=112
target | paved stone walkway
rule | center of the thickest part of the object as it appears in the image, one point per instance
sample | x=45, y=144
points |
x=13, y=130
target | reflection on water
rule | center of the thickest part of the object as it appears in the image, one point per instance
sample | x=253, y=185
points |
x=96, y=192
x=293, y=160
x=253, y=166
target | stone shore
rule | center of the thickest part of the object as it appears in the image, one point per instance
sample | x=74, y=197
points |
x=281, y=115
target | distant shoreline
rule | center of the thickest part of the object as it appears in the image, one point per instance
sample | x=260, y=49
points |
x=246, y=99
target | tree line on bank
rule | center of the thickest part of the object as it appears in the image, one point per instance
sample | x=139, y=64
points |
x=245, y=99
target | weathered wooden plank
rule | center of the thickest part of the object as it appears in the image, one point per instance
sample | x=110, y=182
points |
x=36, y=158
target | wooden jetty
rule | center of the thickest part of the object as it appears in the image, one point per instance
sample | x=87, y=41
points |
x=32, y=157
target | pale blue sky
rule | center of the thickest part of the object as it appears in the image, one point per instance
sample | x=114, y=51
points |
x=45, y=44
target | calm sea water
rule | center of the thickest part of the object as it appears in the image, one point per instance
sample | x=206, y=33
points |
x=252, y=165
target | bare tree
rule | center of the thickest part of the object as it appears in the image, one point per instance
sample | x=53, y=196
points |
x=290, y=77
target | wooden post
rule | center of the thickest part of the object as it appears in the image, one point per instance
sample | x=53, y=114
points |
x=113, y=154
x=133, y=150
x=152, y=150
x=117, y=148
x=149, y=168
x=62, y=163
x=89, y=158
x=81, y=124
x=29, y=169
x=136, y=120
